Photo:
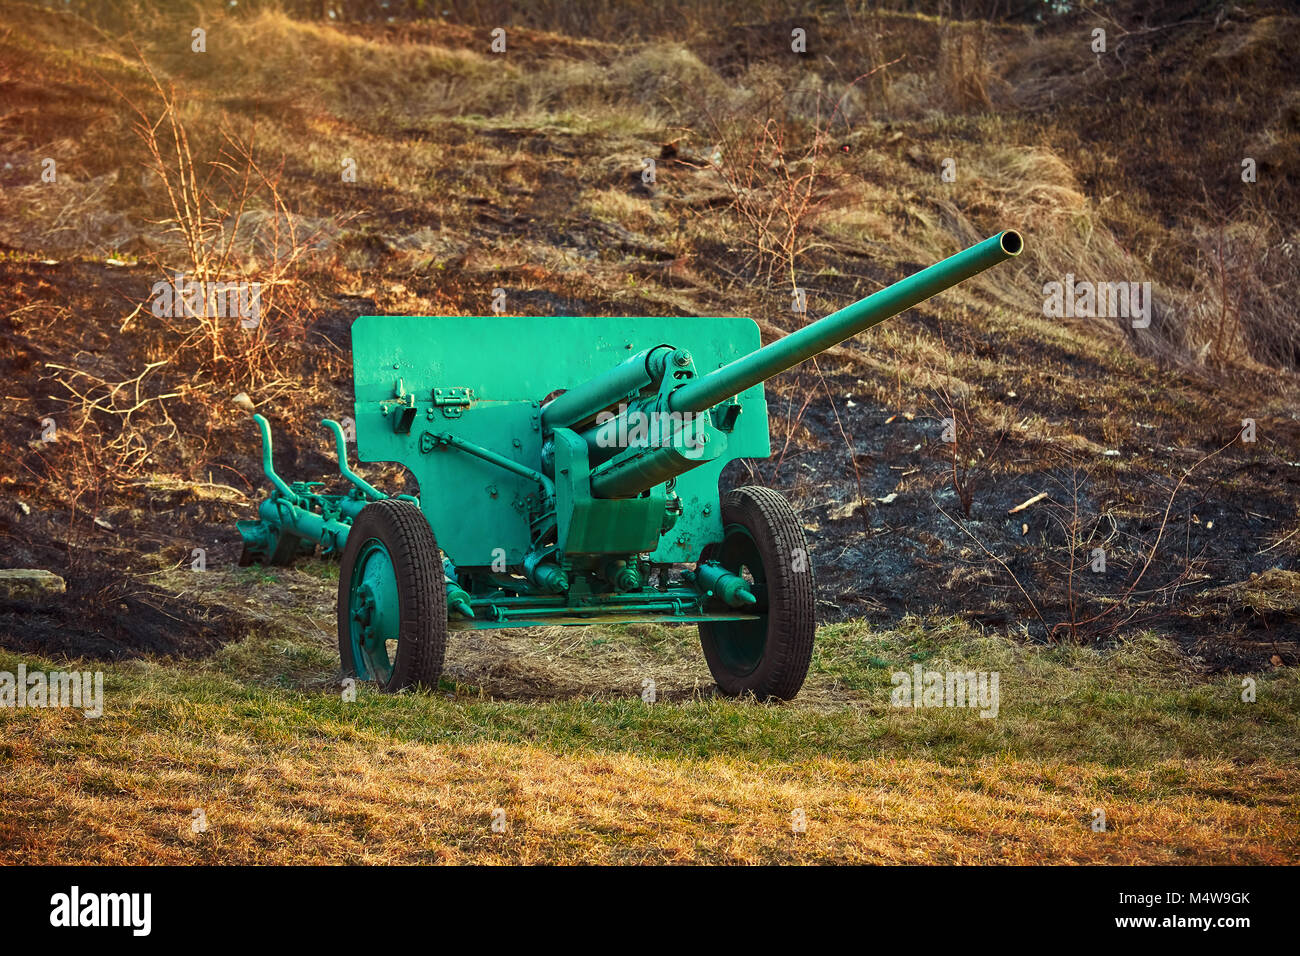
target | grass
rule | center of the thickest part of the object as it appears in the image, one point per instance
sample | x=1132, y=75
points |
x=478, y=170
x=285, y=770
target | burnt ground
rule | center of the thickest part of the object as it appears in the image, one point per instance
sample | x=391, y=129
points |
x=150, y=462
x=921, y=553
x=890, y=540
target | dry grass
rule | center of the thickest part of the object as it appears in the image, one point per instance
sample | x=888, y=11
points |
x=476, y=171
x=549, y=727
x=338, y=803
x=344, y=91
x=1184, y=772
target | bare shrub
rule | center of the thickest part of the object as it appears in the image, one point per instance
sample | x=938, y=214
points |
x=1241, y=310
x=1074, y=605
x=962, y=70
x=231, y=226
x=775, y=152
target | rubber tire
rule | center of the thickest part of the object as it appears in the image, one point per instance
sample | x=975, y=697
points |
x=422, y=597
x=791, y=602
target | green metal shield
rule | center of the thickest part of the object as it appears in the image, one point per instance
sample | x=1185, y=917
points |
x=483, y=379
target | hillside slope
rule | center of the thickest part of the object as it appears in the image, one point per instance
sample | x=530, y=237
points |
x=1161, y=692
x=523, y=172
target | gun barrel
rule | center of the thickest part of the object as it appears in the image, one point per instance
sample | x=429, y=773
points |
x=626, y=379
x=785, y=353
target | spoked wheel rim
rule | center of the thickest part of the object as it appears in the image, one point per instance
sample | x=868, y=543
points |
x=374, y=610
x=741, y=644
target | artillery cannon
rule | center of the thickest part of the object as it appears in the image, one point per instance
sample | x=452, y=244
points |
x=568, y=474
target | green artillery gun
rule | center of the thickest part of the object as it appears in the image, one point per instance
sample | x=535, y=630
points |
x=568, y=473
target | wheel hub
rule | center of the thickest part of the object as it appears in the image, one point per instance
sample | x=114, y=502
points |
x=363, y=611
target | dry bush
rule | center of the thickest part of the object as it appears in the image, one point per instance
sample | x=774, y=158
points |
x=775, y=150
x=227, y=220
x=962, y=70
x=133, y=411
x=972, y=438
x=1096, y=610
x=1242, y=310
x=1078, y=606
x=104, y=441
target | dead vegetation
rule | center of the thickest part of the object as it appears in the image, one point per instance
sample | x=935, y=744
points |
x=787, y=184
x=775, y=171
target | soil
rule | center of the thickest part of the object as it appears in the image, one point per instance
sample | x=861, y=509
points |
x=900, y=521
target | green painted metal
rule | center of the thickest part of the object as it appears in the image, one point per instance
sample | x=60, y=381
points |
x=567, y=465
x=491, y=457
x=458, y=602
x=714, y=580
x=591, y=526
x=740, y=643
x=374, y=611
x=649, y=614
x=680, y=604
x=341, y=445
x=268, y=468
x=623, y=381
x=297, y=519
x=480, y=512
x=785, y=353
